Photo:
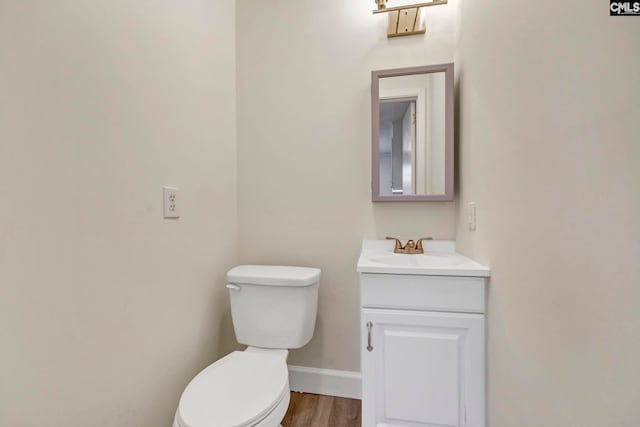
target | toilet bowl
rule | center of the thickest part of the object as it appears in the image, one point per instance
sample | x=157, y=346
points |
x=273, y=309
x=243, y=389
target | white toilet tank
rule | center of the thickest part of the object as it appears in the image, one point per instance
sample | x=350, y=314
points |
x=273, y=306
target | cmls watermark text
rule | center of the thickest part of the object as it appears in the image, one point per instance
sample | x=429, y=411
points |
x=624, y=8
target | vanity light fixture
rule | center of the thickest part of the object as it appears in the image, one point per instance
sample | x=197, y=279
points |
x=405, y=20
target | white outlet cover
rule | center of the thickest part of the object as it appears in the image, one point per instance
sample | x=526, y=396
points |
x=171, y=198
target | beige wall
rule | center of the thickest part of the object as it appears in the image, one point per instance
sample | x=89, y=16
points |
x=304, y=148
x=106, y=309
x=549, y=109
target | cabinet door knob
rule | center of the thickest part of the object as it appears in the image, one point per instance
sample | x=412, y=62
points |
x=369, y=346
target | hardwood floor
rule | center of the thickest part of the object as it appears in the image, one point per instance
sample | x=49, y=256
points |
x=315, y=410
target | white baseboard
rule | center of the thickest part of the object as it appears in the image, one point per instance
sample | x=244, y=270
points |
x=325, y=381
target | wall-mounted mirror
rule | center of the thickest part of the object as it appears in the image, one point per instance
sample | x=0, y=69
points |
x=412, y=134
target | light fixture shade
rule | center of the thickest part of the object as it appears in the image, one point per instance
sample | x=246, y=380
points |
x=381, y=3
x=407, y=20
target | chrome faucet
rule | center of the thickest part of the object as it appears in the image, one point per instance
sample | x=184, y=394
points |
x=411, y=247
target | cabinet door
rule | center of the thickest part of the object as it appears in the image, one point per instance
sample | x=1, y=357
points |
x=423, y=369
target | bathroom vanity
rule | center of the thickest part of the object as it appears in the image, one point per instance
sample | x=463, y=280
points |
x=422, y=336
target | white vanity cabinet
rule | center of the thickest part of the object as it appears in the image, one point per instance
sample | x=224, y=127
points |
x=423, y=350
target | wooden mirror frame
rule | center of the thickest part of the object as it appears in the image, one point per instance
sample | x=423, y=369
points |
x=449, y=133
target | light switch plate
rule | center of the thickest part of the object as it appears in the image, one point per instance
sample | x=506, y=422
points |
x=472, y=218
x=171, y=197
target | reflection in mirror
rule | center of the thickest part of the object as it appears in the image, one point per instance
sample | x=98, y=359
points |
x=397, y=146
x=413, y=138
x=412, y=134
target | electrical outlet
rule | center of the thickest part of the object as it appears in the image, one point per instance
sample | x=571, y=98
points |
x=472, y=218
x=171, y=202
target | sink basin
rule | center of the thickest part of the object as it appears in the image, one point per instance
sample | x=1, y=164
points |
x=426, y=260
x=439, y=259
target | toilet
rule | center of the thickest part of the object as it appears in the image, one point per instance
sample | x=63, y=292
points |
x=273, y=310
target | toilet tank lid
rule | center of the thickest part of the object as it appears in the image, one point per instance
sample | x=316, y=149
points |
x=273, y=275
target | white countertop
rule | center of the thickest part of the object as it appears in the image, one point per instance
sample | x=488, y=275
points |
x=439, y=259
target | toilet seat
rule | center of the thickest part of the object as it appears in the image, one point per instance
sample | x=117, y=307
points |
x=239, y=390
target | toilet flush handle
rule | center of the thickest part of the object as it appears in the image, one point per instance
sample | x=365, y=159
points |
x=233, y=287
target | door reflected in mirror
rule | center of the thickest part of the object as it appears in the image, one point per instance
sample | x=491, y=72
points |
x=413, y=137
x=397, y=146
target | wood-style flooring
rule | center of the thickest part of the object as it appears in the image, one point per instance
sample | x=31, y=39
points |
x=316, y=410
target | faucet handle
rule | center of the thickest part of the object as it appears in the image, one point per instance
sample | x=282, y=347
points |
x=398, y=248
x=419, y=243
